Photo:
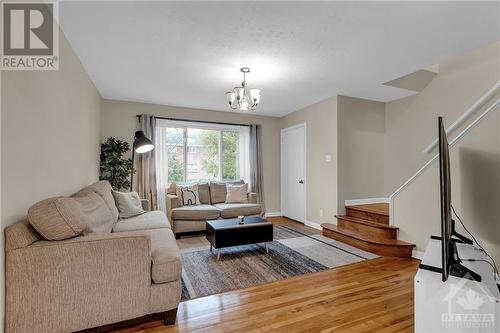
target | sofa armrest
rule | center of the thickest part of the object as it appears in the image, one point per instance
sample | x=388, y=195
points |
x=252, y=197
x=146, y=205
x=172, y=202
x=77, y=283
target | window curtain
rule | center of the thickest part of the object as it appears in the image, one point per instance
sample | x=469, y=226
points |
x=244, y=154
x=161, y=149
x=256, y=182
x=145, y=164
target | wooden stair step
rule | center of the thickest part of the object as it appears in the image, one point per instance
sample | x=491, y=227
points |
x=372, y=212
x=378, y=208
x=371, y=229
x=384, y=247
x=366, y=222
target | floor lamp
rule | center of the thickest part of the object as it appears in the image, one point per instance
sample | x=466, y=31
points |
x=141, y=145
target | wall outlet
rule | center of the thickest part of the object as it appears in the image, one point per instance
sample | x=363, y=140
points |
x=321, y=213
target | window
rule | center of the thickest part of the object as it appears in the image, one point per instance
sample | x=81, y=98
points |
x=196, y=152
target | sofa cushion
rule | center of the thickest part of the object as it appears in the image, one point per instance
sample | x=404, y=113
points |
x=150, y=220
x=229, y=210
x=128, y=203
x=103, y=188
x=98, y=217
x=57, y=218
x=196, y=212
x=188, y=194
x=217, y=192
x=204, y=193
x=237, y=193
x=165, y=256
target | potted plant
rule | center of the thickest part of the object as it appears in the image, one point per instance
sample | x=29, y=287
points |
x=114, y=167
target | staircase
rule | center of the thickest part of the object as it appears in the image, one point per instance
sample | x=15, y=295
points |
x=367, y=227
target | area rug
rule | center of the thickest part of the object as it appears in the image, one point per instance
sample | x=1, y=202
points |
x=294, y=251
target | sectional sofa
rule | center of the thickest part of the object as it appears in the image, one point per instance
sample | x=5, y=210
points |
x=189, y=219
x=76, y=266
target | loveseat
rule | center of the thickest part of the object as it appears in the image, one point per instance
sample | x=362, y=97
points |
x=213, y=206
x=107, y=270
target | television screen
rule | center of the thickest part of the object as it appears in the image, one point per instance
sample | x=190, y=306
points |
x=445, y=192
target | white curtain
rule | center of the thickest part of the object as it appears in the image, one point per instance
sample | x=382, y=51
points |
x=256, y=183
x=244, y=149
x=145, y=164
x=161, y=159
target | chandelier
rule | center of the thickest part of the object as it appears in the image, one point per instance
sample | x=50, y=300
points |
x=243, y=98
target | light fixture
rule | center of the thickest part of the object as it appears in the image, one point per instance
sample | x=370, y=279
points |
x=141, y=145
x=243, y=98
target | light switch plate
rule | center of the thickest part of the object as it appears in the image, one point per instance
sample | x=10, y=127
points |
x=328, y=158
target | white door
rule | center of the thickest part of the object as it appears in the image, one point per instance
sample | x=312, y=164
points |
x=293, y=172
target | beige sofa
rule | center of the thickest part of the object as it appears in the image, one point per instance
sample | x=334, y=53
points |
x=213, y=206
x=114, y=271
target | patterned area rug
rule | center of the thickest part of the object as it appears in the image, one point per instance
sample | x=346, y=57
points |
x=294, y=251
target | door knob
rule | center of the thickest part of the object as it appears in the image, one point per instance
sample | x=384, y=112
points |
x=301, y=181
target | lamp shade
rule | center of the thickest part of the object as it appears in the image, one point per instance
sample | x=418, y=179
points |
x=141, y=143
x=255, y=95
x=230, y=97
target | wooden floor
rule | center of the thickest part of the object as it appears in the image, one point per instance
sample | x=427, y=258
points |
x=371, y=296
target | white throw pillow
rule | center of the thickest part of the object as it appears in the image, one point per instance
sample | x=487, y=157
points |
x=236, y=193
x=128, y=204
x=188, y=195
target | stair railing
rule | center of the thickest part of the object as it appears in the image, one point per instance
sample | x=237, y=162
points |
x=459, y=122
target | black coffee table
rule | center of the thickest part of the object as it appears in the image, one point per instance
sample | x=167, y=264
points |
x=226, y=233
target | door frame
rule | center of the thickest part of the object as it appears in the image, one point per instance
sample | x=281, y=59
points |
x=282, y=166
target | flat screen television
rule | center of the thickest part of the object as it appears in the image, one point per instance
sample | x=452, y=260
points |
x=451, y=263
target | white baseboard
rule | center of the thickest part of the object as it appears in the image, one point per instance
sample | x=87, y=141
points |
x=273, y=214
x=417, y=254
x=313, y=225
x=366, y=201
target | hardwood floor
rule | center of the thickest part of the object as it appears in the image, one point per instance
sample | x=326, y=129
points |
x=374, y=295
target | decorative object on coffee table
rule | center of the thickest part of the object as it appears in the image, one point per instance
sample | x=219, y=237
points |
x=226, y=233
x=241, y=219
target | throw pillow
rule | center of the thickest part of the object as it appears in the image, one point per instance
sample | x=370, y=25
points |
x=188, y=195
x=57, y=218
x=217, y=192
x=236, y=193
x=128, y=204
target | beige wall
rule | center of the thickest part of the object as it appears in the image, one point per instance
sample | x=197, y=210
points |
x=361, y=132
x=475, y=162
x=50, y=134
x=119, y=121
x=411, y=122
x=321, y=181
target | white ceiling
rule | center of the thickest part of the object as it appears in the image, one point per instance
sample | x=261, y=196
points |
x=189, y=53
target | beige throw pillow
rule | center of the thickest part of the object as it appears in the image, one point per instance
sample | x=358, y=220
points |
x=128, y=204
x=188, y=195
x=236, y=193
x=57, y=218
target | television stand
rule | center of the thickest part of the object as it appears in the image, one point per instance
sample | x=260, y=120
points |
x=458, y=237
x=438, y=304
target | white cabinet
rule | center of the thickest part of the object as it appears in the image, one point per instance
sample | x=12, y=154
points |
x=459, y=304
